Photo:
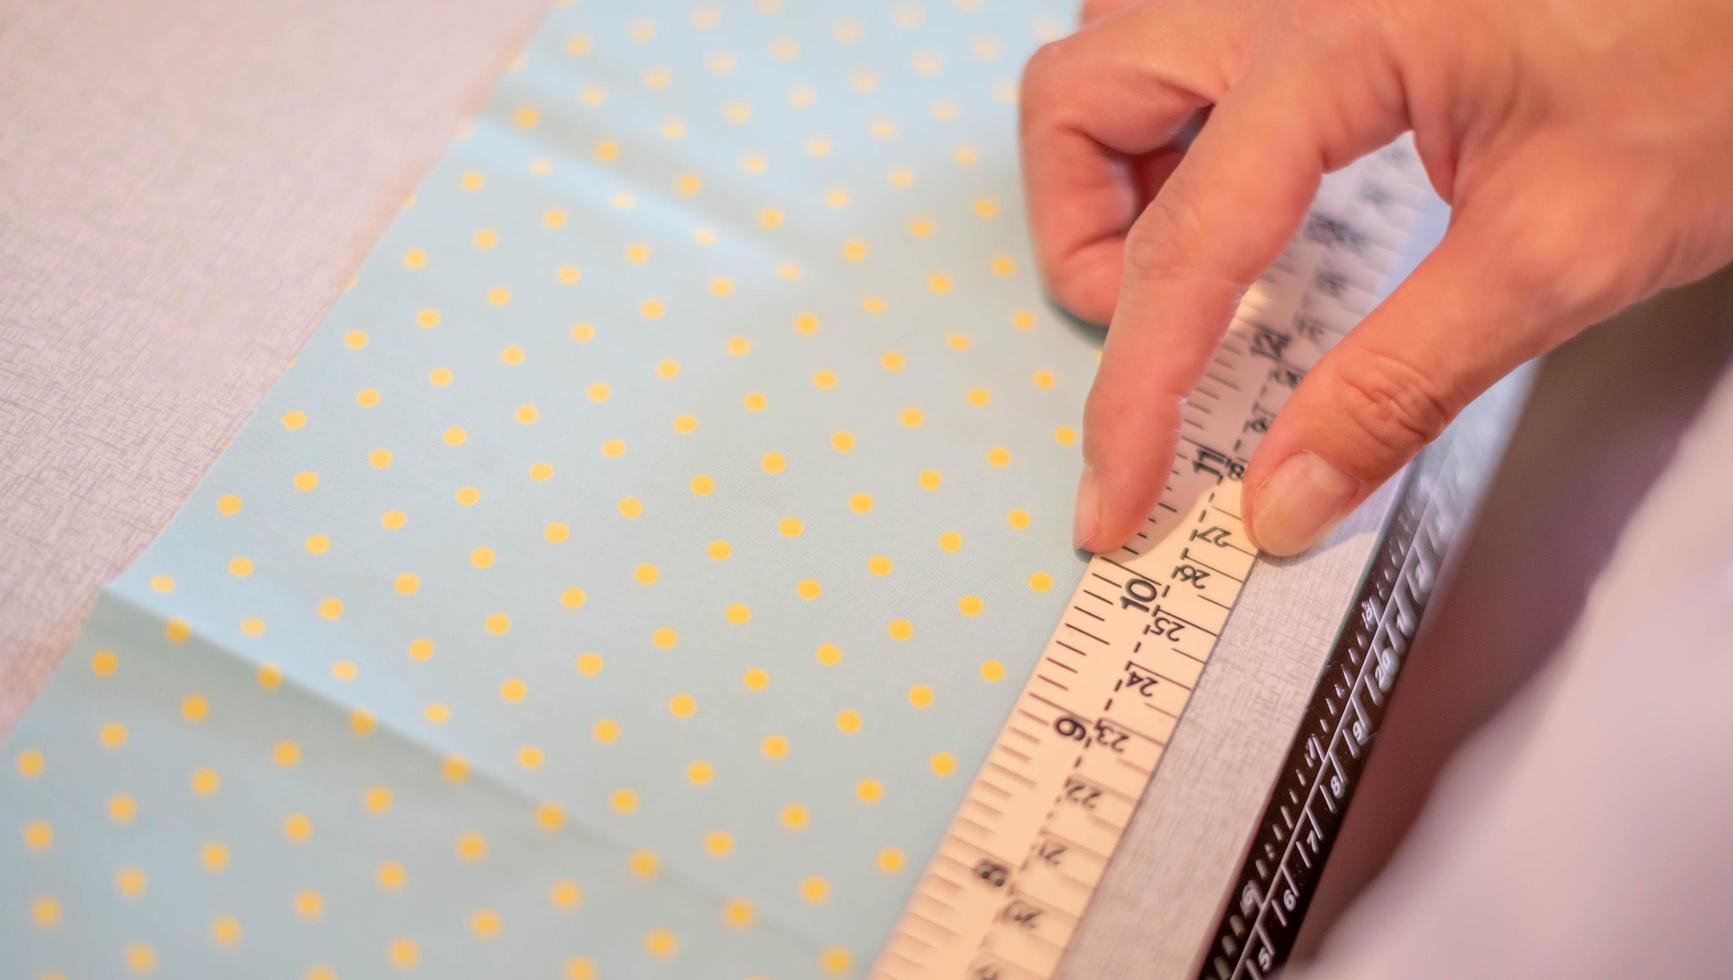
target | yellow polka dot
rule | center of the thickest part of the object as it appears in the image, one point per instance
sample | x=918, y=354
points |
x=367, y=397
x=774, y=747
x=513, y=690
x=194, y=707
x=869, y=791
x=950, y=541
x=737, y=613
x=842, y=442
x=403, y=953
x=140, y=958
x=317, y=544
x=45, y=911
x=543, y=472
x=526, y=117
x=569, y=274
x=309, y=904
x=860, y=503
x=471, y=846
x=921, y=696
x=794, y=816
x=597, y=391
x=815, y=889
x=646, y=574
x=589, y=664
x=630, y=507
x=390, y=875
x=225, y=930
x=848, y=721
x=38, y=835
x=854, y=250
x=229, y=505
x=286, y=753
x=439, y=377
x=718, y=550
x=835, y=960
x=718, y=843
x=606, y=731
x=889, y=860
x=362, y=722
x=455, y=768
x=893, y=361
x=700, y=773
x=755, y=401
x=1003, y=266
x=526, y=414
x=214, y=856
x=530, y=756
x=573, y=597
x=685, y=424
x=873, y=304
x=485, y=923
x=644, y=863
x=1065, y=435
x=900, y=629
x=920, y=227
x=436, y=713
x=253, y=626
x=703, y=485
x=297, y=827
x=330, y=607
x=664, y=638
x=661, y=943
x=806, y=324
x=177, y=631
x=30, y=763
x=454, y=436
x=652, y=309
x=808, y=588
x=930, y=480
x=828, y=654
x=497, y=623
x=482, y=557
x=999, y=457
x=566, y=894
x=682, y=705
x=979, y=397
x=162, y=583
x=112, y=735
x=992, y=671
x=415, y=258
x=103, y=663
x=1040, y=581
x=738, y=913
x=969, y=605
x=911, y=417
x=485, y=238
x=205, y=781
x=294, y=420
x=1043, y=380
x=420, y=648
x=355, y=339
x=379, y=459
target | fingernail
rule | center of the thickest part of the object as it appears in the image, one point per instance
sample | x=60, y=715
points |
x=1088, y=517
x=1300, y=503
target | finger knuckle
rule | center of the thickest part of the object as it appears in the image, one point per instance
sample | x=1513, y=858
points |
x=1041, y=76
x=1396, y=406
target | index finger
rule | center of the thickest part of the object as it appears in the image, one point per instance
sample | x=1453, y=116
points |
x=1223, y=216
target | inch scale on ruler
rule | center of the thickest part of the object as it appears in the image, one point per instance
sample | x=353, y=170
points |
x=1003, y=895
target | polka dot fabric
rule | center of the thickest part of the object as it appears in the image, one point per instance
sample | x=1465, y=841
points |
x=628, y=577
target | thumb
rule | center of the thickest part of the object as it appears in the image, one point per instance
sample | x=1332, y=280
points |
x=1455, y=326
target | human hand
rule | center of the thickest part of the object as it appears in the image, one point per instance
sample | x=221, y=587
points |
x=1586, y=148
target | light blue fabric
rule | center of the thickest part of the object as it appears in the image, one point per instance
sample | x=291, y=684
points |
x=221, y=775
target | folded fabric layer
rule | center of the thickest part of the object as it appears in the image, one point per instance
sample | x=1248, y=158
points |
x=631, y=572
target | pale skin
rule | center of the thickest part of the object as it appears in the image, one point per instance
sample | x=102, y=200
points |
x=1585, y=146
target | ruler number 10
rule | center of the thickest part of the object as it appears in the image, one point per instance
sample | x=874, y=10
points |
x=1140, y=593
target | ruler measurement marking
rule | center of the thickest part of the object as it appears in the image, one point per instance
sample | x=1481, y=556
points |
x=1003, y=919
